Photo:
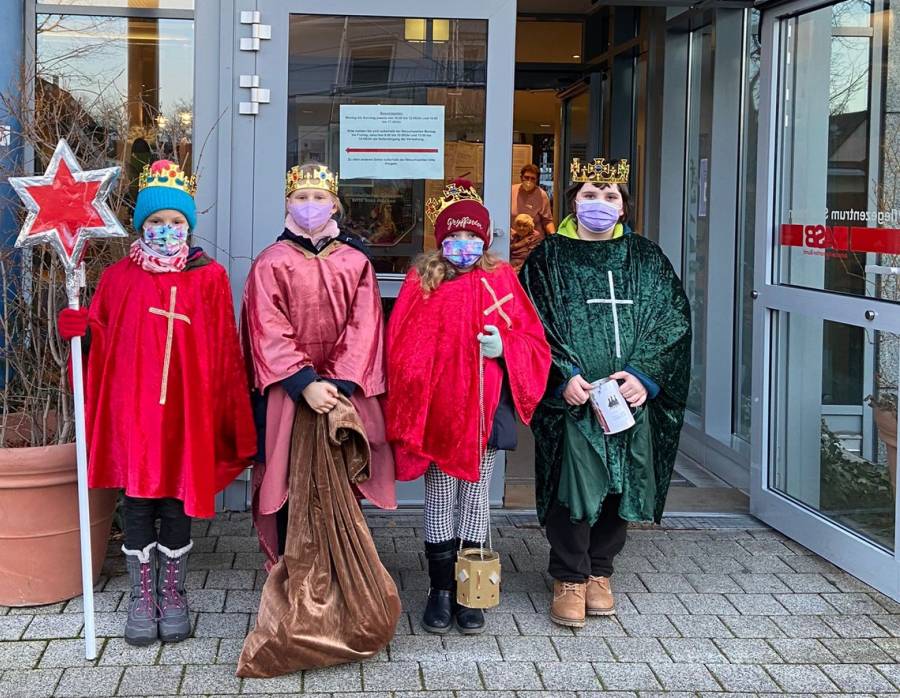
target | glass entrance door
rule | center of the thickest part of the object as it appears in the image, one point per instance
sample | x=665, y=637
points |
x=337, y=82
x=326, y=69
x=827, y=336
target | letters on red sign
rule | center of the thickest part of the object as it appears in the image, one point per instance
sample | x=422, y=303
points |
x=842, y=238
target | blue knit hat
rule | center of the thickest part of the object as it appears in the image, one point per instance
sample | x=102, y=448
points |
x=163, y=185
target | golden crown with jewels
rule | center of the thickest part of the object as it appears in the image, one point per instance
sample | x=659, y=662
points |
x=310, y=177
x=600, y=171
x=457, y=190
x=165, y=173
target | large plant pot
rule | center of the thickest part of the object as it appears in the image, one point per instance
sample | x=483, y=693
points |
x=40, y=559
x=887, y=432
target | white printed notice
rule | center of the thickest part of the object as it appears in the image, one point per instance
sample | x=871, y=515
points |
x=392, y=141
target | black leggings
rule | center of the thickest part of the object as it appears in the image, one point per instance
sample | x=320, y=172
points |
x=140, y=517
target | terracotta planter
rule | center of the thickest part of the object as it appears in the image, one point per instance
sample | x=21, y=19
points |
x=887, y=432
x=40, y=559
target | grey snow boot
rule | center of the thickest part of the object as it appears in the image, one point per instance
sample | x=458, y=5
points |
x=174, y=614
x=140, y=627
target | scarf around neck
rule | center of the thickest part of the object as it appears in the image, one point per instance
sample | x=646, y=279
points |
x=152, y=261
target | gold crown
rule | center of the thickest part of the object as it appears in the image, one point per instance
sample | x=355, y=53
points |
x=317, y=177
x=457, y=190
x=165, y=173
x=600, y=171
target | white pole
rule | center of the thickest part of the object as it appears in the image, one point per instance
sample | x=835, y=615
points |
x=84, y=514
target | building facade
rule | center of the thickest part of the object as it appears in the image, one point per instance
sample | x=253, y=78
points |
x=763, y=139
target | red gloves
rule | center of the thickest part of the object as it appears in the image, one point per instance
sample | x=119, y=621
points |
x=72, y=323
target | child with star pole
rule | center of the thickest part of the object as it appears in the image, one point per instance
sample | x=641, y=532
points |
x=461, y=322
x=167, y=403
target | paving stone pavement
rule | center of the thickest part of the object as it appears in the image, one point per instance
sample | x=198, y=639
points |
x=707, y=607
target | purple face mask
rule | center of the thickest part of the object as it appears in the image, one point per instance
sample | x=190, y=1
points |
x=462, y=253
x=597, y=216
x=310, y=215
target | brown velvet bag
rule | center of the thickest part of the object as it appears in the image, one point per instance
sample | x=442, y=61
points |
x=329, y=600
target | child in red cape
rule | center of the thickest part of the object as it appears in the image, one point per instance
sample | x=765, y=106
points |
x=466, y=353
x=168, y=408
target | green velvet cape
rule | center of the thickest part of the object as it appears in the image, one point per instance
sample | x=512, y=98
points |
x=575, y=461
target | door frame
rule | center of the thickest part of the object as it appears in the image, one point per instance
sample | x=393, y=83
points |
x=241, y=179
x=849, y=551
x=271, y=124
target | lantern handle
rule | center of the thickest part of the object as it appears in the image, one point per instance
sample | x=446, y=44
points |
x=482, y=434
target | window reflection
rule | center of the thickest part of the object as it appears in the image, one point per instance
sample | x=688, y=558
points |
x=127, y=81
x=336, y=61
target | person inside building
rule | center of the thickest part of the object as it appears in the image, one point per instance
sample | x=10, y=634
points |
x=312, y=330
x=466, y=354
x=168, y=409
x=612, y=307
x=529, y=197
x=523, y=239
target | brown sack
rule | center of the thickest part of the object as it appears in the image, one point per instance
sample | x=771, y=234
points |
x=329, y=600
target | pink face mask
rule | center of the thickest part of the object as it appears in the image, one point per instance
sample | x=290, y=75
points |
x=310, y=215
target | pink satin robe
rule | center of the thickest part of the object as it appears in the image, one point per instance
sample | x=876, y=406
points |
x=323, y=311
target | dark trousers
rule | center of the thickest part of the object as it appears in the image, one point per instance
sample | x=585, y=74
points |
x=578, y=550
x=140, y=517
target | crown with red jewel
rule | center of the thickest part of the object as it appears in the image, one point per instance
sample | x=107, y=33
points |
x=310, y=177
x=165, y=173
x=600, y=171
x=457, y=190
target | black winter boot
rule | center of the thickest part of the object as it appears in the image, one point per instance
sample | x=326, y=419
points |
x=470, y=621
x=438, y=615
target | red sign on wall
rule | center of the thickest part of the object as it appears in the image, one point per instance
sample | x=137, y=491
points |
x=827, y=240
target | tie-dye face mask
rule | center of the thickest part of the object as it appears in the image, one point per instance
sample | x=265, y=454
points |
x=462, y=253
x=165, y=239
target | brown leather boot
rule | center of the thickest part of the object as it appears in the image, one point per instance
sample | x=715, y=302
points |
x=568, y=604
x=599, y=597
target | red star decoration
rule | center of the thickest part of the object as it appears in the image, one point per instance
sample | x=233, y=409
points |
x=66, y=206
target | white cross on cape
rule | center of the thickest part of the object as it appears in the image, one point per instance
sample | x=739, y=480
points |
x=613, y=302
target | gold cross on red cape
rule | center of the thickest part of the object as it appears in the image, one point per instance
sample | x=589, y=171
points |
x=171, y=316
x=498, y=304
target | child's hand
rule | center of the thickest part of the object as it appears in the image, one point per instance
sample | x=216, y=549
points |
x=321, y=396
x=578, y=390
x=491, y=343
x=72, y=323
x=632, y=389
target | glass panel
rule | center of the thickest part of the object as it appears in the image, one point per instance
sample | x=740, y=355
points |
x=839, y=206
x=129, y=80
x=138, y=4
x=743, y=360
x=577, y=134
x=548, y=42
x=838, y=459
x=696, y=203
x=383, y=60
x=596, y=34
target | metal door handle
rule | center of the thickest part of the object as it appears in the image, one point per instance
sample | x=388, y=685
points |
x=871, y=315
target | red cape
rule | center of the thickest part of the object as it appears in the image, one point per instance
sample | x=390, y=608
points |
x=432, y=400
x=203, y=436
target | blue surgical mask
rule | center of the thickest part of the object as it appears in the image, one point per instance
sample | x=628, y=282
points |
x=597, y=216
x=165, y=239
x=462, y=253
